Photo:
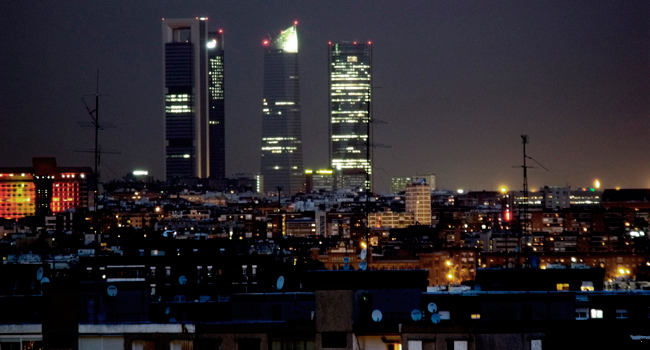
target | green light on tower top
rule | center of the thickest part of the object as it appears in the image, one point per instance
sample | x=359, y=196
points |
x=287, y=41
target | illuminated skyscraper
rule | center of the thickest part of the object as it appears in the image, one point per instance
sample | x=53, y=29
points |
x=350, y=79
x=217, y=106
x=281, y=127
x=194, y=105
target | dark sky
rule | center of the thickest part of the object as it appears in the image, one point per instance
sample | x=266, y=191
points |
x=460, y=82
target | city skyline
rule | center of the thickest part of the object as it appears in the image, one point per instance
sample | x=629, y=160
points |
x=459, y=84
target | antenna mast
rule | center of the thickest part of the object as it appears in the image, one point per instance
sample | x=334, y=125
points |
x=524, y=220
x=96, y=142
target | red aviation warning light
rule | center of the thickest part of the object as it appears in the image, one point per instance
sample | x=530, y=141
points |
x=295, y=23
x=220, y=31
x=265, y=42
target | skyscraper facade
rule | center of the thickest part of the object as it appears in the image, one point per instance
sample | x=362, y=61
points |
x=281, y=164
x=217, y=106
x=350, y=79
x=193, y=89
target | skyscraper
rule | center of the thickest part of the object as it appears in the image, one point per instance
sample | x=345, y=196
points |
x=281, y=127
x=217, y=106
x=193, y=89
x=350, y=79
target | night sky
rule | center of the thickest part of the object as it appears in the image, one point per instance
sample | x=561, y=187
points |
x=460, y=82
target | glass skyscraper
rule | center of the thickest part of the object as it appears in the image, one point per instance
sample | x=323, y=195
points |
x=281, y=164
x=217, y=106
x=194, y=109
x=350, y=79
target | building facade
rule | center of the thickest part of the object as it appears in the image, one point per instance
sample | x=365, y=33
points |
x=398, y=184
x=43, y=189
x=350, y=79
x=217, y=114
x=281, y=165
x=194, y=104
x=418, y=202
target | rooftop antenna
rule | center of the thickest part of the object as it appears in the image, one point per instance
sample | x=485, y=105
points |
x=279, y=188
x=524, y=221
x=370, y=145
x=94, y=115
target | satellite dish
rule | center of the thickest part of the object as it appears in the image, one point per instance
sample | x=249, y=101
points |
x=364, y=253
x=534, y=261
x=172, y=320
x=346, y=260
x=168, y=310
x=45, y=280
x=477, y=287
x=39, y=274
x=376, y=315
x=363, y=265
x=432, y=307
x=182, y=280
x=416, y=315
x=111, y=291
x=435, y=318
x=280, y=283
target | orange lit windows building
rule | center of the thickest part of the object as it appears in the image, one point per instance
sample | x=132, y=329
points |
x=43, y=189
x=17, y=194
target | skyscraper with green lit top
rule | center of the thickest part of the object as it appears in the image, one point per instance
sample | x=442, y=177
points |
x=281, y=164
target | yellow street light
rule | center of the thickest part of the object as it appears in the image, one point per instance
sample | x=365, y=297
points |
x=450, y=276
x=448, y=262
x=503, y=189
x=363, y=245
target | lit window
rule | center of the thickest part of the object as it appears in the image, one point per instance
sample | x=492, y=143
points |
x=415, y=344
x=596, y=313
x=621, y=314
x=476, y=316
x=562, y=286
x=587, y=286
